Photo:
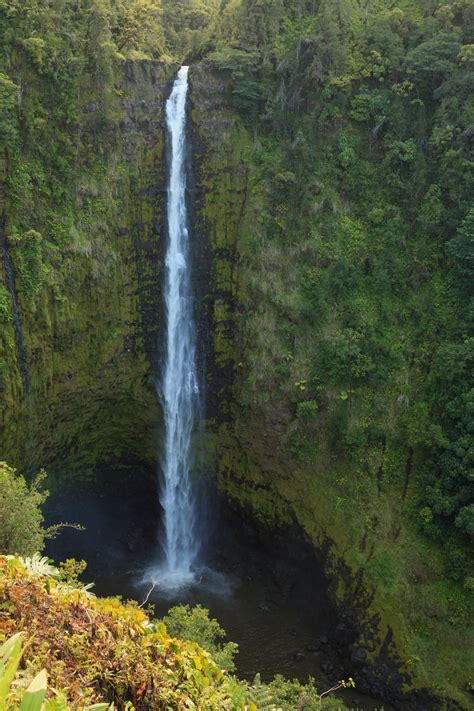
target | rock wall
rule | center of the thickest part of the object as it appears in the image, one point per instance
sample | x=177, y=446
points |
x=77, y=359
x=250, y=313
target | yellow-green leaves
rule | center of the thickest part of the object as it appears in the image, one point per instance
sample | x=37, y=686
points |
x=10, y=655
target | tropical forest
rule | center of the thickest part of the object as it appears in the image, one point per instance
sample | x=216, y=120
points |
x=236, y=355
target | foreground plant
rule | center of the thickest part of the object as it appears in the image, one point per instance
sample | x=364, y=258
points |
x=101, y=650
x=78, y=652
x=33, y=698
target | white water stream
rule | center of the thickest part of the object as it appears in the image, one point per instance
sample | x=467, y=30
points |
x=179, y=388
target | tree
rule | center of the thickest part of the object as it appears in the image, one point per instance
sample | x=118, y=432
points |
x=461, y=248
x=261, y=20
x=21, y=519
x=100, y=49
x=433, y=61
x=8, y=105
x=139, y=27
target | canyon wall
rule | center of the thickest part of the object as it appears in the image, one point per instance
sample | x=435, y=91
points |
x=293, y=438
x=82, y=280
x=312, y=421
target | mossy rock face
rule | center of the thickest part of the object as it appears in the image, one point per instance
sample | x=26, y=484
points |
x=275, y=443
x=218, y=196
x=80, y=337
x=91, y=327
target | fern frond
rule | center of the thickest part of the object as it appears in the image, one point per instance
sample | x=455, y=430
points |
x=40, y=565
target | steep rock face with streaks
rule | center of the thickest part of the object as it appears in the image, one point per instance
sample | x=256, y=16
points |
x=297, y=440
x=82, y=278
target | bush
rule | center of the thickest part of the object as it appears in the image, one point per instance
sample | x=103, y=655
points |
x=21, y=519
x=8, y=102
x=307, y=411
x=186, y=623
x=33, y=697
x=381, y=569
x=109, y=651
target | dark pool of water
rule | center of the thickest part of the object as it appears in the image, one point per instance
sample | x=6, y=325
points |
x=269, y=594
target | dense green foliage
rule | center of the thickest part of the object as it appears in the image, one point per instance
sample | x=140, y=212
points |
x=188, y=25
x=184, y=622
x=21, y=520
x=354, y=348
x=354, y=331
x=365, y=113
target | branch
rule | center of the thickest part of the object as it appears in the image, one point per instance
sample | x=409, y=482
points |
x=148, y=595
x=54, y=531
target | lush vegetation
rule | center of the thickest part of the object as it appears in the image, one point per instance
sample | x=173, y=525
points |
x=76, y=651
x=354, y=348
x=101, y=651
x=21, y=520
x=184, y=622
x=389, y=261
x=355, y=344
x=106, y=651
x=369, y=149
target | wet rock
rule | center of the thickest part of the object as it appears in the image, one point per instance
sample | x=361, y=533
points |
x=358, y=656
x=299, y=656
x=376, y=690
x=327, y=667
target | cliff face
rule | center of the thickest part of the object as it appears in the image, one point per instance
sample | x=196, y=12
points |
x=293, y=443
x=77, y=349
x=219, y=201
x=81, y=315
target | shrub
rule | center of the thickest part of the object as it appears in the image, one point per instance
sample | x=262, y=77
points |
x=307, y=411
x=109, y=652
x=21, y=519
x=32, y=699
x=186, y=623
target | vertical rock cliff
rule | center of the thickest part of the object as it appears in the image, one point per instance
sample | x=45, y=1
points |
x=292, y=444
x=77, y=350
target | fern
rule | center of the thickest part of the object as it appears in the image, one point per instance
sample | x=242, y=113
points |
x=260, y=696
x=40, y=565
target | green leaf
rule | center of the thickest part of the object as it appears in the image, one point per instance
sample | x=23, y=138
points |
x=34, y=696
x=10, y=655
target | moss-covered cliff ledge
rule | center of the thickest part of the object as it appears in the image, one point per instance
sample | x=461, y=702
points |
x=275, y=444
x=85, y=255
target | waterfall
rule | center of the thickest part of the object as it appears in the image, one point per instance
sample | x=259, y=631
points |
x=178, y=387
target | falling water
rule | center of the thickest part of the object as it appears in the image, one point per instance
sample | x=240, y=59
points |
x=179, y=389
